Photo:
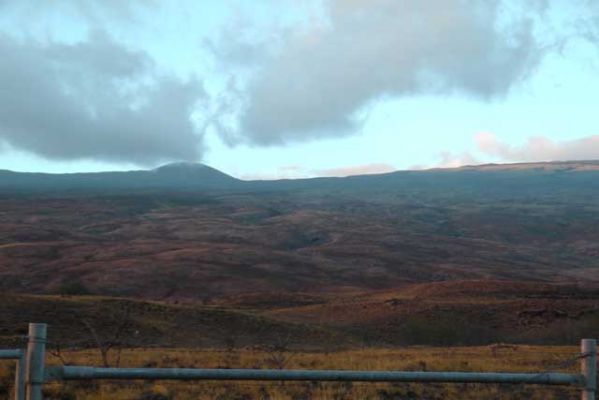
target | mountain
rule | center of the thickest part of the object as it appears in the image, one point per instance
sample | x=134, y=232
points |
x=487, y=179
x=564, y=166
x=179, y=176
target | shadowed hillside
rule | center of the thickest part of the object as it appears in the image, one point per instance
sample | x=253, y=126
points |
x=478, y=312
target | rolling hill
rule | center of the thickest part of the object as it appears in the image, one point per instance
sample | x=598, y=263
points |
x=482, y=246
x=188, y=232
x=176, y=176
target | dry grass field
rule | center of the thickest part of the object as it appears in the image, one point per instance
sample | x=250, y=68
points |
x=486, y=358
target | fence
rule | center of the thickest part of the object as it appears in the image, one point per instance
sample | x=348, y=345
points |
x=31, y=372
x=18, y=355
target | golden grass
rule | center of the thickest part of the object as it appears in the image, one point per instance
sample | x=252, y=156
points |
x=518, y=358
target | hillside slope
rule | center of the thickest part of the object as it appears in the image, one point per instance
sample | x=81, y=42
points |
x=177, y=176
x=319, y=235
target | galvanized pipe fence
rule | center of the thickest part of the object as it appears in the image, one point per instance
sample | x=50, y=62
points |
x=32, y=373
x=19, y=356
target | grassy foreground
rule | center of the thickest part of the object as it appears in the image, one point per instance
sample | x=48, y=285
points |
x=488, y=358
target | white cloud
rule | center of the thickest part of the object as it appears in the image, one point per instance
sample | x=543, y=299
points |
x=366, y=169
x=535, y=149
x=539, y=148
x=450, y=160
x=299, y=172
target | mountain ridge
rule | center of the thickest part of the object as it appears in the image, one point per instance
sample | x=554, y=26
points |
x=169, y=176
x=191, y=166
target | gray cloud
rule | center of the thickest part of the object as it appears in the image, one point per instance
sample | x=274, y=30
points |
x=586, y=22
x=323, y=74
x=93, y=11
x=94, y=100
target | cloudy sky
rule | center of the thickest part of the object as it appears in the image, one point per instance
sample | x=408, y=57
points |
x=268, y=89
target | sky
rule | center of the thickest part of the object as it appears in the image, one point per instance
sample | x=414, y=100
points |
x=288, y=89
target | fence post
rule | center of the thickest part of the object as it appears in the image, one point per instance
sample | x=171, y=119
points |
x=588, y=367
x=36, y=349
x=20, y=377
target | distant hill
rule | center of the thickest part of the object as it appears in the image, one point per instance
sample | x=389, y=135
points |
x=491, y=181
x=193, y=176
x=171, y=176
x=588, y=165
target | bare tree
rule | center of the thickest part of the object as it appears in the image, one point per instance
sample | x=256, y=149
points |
x=279, y=353
x=113, y=339
x=55, y=350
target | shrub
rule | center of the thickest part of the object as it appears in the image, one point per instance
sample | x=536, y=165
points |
x=73, y=288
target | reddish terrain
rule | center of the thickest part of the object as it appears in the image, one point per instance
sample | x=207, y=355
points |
x=504, y=252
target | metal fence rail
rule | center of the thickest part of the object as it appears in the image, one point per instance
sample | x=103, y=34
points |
x=19, y=356
x=76, y=373
x=12, y=354
x=37, y=374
